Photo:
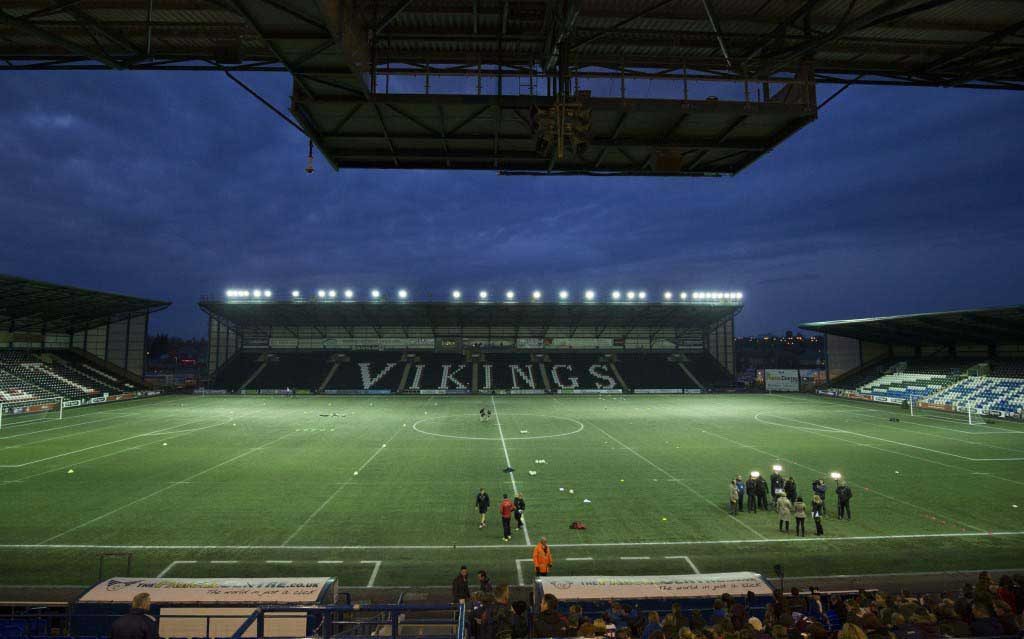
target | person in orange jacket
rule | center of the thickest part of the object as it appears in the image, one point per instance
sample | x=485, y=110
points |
x=542, y=557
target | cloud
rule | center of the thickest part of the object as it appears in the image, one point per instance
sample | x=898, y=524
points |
x=173, y=186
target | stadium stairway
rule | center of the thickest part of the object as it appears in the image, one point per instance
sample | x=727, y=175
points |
x=255, y=374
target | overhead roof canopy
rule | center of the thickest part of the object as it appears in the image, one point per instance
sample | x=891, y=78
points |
x=683, y=315
x=993, y=326
x=459, y=84
x=29, y=305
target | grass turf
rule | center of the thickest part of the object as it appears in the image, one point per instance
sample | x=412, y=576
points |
x=256, y=486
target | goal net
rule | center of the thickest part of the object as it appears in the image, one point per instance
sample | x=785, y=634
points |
x=30, y=411
x=965, y=413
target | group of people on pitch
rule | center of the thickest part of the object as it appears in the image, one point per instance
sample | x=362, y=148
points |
x=785, y=500
x=508, y=507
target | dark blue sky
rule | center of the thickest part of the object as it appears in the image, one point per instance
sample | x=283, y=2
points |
x=175, y=185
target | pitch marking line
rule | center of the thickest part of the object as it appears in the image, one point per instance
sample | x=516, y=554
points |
x=376, y=569
x=610, y=544
x=170, y=567
x=519, y=569
x=579, y=559
x=338, y=490
x=680, y=482
x=758, y=418
x=634, y=558
x=82, y=450
x=693, y=566
x=164, y=489
x=416, y=427
x=821, y=428
x=508, y=464
x=22, y=424
x=171, y=436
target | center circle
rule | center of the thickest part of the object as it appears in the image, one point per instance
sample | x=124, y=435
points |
x=471, y=421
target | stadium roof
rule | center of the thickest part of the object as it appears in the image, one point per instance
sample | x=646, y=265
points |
x=415, y=84
x=1003, y=325
x=29, y=305
x=439, y=315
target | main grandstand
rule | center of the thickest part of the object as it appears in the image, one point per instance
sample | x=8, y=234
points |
x=969, y=361
x=324, y=344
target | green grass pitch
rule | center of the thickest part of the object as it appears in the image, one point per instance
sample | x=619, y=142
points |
x=380, y=491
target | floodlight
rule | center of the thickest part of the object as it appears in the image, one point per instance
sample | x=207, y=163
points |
x=739, y=296
x=777, y=468
x=616, y=295
x=667, y=295
x=267, y=293
x=402, y=293
x=375, y=294
x=682, y=295
x=589, y=295
x=229, y=293
x=642, y=295
x=321, y=293
x=257, y=293
x=630, y=295
x=296, y=294
x=510, y=295
x=563, y=294
x=483, y=295
x=835, y=475
x=332, y=293
x=243, y=293
x=456, y=294
x=536, y=295
x=349, y=293
x=755, y=474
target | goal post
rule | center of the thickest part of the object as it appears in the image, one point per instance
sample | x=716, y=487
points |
x=26, y=411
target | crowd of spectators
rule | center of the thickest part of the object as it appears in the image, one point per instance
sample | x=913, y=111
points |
x=981, y=609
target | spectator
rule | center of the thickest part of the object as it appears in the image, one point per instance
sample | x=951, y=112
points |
x=697, y=622
x=484, y=581
x=499, y=615
x=1007, y=593
x=460, y=585
x=734, y=498
x=950, y=623
x=851, y=631
x=600, y=628
x=574, y=619
x=672, y=622
x=901, y=629
x=520, y=620
x=549, y=623
x=138, y=623
x=927, y=628
x=757, y=628
x=984, y=624
x=585, y=630
x=1006, y=618
x=653, y=624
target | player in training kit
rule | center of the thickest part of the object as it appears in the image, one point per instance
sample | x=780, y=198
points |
x=483, y=502
x=507, y=508
x=520, y=505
